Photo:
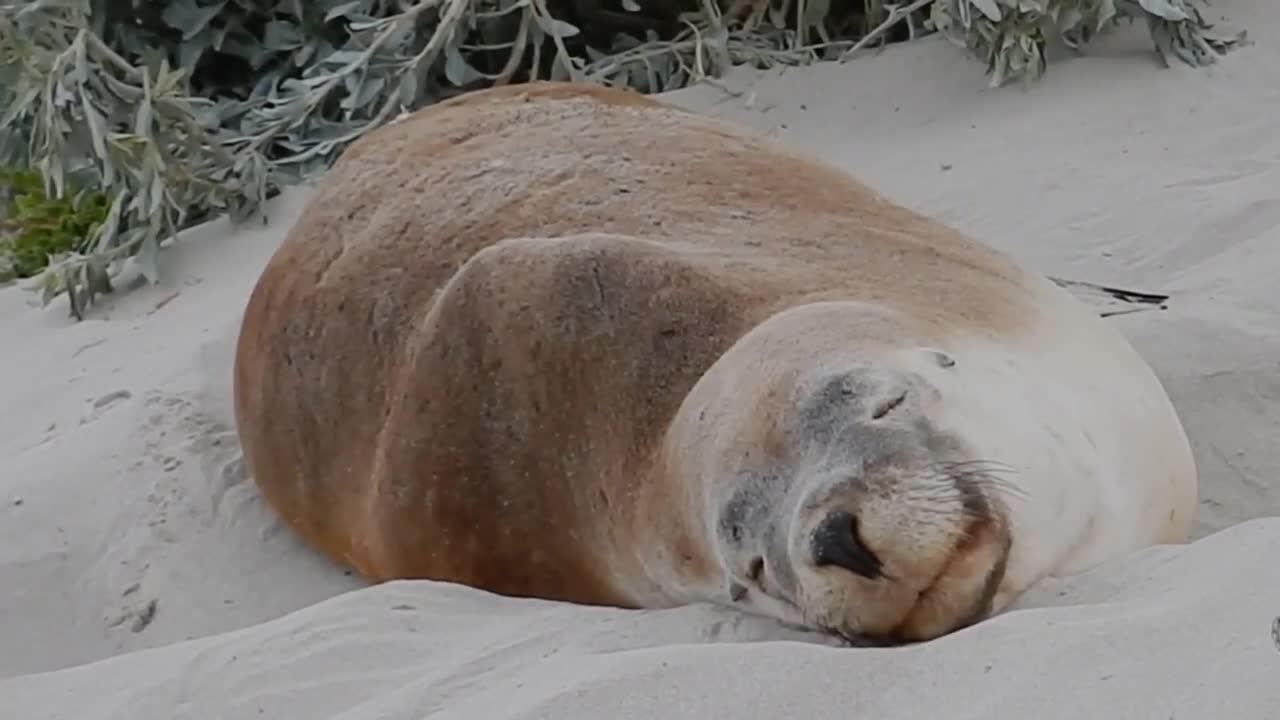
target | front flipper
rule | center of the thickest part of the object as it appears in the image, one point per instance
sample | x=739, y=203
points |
x=544, y=369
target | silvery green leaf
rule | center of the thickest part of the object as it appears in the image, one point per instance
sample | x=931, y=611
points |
x=630, y=5
x=36, y=6
x=265, y=86
x=343, y=57
x=53, y=172
x=126, y=92
x=280, y=35
x=408, y=89
x=990, y=8
x=74, y=295
x=189, y=16
x=1069, y=17
x=816, y=11
x=180, y=14
x=148, y=259
x=457, y=70
x=50, y=288
x=96, y=277
x=1164, y=9
x=554, y=27
x=111, y=225
x=168, y=78
x=368, y=91
x=304, y=86
x=62, y=96
x=341, y=10
x=303, y=56
x=97, y=128
x=142, y=119
x=220, y=37
x=19, y=106
x=559, y=70
x=157, y=193
x=352, y=82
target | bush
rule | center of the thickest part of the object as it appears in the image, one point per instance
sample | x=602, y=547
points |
x=183, y=110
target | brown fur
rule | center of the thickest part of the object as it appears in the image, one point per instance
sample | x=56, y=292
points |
x=420, y=399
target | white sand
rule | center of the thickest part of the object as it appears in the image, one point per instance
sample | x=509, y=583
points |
x=126, y=523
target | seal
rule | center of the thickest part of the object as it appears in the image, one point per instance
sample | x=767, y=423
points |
x=575, y=343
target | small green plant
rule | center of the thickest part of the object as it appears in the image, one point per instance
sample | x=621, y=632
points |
x=37, y=228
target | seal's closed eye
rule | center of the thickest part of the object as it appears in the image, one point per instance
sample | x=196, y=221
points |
x=889, y=406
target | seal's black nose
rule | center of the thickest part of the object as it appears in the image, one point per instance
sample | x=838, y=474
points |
x=836, y=542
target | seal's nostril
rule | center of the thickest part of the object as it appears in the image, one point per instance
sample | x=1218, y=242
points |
x=836, y=542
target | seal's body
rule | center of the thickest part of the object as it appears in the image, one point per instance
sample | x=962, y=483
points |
x=572, y=343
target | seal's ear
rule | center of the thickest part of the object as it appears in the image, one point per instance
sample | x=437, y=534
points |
x=944, y=360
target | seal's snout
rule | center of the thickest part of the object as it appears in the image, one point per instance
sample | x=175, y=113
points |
x=900, y=551
x=838, y=542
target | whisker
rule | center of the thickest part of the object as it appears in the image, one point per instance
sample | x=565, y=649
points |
x=985, y=475
x=990, y=467
x=987, y=481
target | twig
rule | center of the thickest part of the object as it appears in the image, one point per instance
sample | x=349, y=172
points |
x=1131, y=296
x=895, y=14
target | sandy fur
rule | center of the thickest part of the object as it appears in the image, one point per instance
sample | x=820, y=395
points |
x=472, y=355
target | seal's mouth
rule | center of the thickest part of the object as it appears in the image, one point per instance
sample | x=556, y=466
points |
x=915, y=628
x=963, y=589
x=868, y=585
x=974, y=542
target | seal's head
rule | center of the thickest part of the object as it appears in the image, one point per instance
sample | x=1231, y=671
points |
x=847, y=504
